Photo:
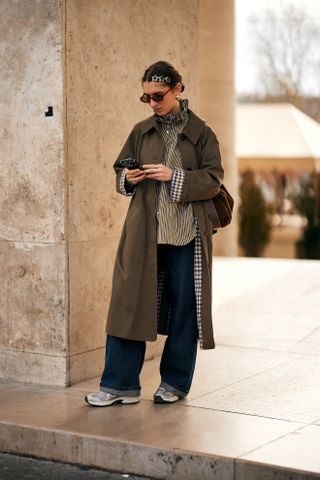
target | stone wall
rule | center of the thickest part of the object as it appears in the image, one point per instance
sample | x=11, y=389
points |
x=108, y=46
x=33, y=293
x=217, y=97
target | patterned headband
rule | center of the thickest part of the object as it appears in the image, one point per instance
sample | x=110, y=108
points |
x=160, y=78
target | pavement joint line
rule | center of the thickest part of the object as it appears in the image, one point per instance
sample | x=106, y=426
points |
x=273, y=441
x=307, y=336
x=271, y=350
x=252, y=415
x=262, y=349
x=234, y=468
x=249, y=377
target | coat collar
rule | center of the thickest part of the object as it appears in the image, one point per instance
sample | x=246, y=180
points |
x=191, y=130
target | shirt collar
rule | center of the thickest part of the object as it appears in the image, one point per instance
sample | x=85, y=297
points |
x=191, y=130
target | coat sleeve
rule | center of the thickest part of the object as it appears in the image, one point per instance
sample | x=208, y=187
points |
x=203, y=183
x=128, y=150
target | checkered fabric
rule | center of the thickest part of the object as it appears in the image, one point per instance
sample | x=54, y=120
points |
x=122, y=185
x=176, y=192
x=178, y=176
x=198, y=282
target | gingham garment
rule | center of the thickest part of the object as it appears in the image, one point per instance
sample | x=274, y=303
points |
x=122, y=185
x=176, y=192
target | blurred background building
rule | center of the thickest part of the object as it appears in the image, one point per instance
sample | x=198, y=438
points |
x=278, y=141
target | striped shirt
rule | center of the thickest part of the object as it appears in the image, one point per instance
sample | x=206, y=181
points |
x=175, y=221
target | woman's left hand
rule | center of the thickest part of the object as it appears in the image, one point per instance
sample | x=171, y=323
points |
x=157, y=171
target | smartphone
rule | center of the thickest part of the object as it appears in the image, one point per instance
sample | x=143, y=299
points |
x=131, y=163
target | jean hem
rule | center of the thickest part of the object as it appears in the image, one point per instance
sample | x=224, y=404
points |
x=114, y=391
x=174, y=390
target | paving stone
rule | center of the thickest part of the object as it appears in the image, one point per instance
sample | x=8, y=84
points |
x=249, y=412
x=263, y=330
x=256, y=471
x=178, y=427
x=288, y=392
x=299, y=451
x=218, y=368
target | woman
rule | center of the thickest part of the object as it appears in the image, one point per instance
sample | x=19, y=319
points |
x=162, y=272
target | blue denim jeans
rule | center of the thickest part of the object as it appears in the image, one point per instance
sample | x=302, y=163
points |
x=124, y=358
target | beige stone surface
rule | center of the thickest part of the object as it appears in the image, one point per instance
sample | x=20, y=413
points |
x=95, y=209
x=103, y=104
x=118, y=456
x=86, y=364
x=32, y=163
x=293, y=384
x=34, y=368
x=103, y=95
x=255, y=470
x=299, y=451
x=90, y=270
x=33, y=300
x=33, y=340
x=167, y=427
x=164, y=441
x=252, y=413
x=217, y=96
x=286, y=315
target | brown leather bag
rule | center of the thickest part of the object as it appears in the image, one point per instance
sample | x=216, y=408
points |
x=220, y=208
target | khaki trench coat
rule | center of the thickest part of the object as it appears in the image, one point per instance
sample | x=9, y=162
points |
x=133, y=306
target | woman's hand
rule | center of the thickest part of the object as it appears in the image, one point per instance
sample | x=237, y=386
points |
x=158, y=171
x=135, y=176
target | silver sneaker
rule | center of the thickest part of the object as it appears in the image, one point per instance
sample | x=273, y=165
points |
x=104, y=399
x=164, y=396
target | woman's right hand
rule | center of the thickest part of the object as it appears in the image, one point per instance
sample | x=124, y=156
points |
x=135, y=176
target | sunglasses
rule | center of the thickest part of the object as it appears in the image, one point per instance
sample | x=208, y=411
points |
x=156, y=97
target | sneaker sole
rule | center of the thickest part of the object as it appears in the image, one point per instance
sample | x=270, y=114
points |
x=123, y=400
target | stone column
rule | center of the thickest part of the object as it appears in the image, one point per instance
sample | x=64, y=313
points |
x=216, y=20
x=108, y=46
x=33, y=268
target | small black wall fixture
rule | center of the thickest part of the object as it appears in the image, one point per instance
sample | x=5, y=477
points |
x=49, y=112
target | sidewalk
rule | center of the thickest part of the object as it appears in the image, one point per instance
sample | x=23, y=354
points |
x=253, y=412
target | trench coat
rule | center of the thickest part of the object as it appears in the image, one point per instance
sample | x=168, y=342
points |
x=134, y=307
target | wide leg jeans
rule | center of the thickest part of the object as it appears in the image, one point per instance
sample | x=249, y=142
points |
x=124, y=357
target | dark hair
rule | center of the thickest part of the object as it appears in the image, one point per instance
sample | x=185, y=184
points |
x=163, y=69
